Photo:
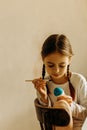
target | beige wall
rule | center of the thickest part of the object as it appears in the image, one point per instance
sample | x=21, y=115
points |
x=24, y=25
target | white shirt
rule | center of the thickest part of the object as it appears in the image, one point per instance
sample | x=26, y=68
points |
x=79, y=105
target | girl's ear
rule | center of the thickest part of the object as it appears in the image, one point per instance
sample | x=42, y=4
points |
x=43, y=61
x=70, y=60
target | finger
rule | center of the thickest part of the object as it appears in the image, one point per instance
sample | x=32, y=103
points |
x=60, y=97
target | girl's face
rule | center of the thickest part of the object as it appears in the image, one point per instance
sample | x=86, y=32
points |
x=56, y=66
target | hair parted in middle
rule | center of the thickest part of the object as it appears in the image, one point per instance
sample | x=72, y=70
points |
x=56, y=43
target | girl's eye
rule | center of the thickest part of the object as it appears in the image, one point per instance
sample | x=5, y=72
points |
x=62, y=66
x=50, y=66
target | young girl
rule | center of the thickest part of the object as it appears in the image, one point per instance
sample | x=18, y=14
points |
x=56, y=55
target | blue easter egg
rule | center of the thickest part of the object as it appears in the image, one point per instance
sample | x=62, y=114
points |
x=58, y=91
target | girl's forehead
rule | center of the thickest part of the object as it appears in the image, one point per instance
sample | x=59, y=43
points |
x=56, y=57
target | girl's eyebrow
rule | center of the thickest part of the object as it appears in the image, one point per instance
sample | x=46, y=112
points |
x=62, y=63
x=50, y=62
x=53, y=63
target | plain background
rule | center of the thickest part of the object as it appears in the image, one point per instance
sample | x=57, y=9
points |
x=24, y=25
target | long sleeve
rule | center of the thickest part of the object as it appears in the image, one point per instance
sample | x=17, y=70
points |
x=42, y=103
x=79, y=108
x=78, y=111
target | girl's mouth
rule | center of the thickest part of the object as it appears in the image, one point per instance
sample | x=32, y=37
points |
x=55, y=75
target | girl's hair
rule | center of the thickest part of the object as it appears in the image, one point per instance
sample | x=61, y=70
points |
x=58, y=43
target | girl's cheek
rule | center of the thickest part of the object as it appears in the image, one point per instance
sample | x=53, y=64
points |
x=48, y=71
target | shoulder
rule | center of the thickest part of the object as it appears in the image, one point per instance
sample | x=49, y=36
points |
x=77, y=77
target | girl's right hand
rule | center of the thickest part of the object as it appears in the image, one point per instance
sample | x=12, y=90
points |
x=40, y=86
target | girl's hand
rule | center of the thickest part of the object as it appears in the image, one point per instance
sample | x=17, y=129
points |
x=40, y=86
x=67, y=98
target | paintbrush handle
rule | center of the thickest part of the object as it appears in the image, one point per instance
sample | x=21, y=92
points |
x=28, y=80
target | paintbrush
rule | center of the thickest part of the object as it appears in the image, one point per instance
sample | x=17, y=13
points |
x=30, y=80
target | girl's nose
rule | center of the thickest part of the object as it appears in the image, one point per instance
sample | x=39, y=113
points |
x=56, y=69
